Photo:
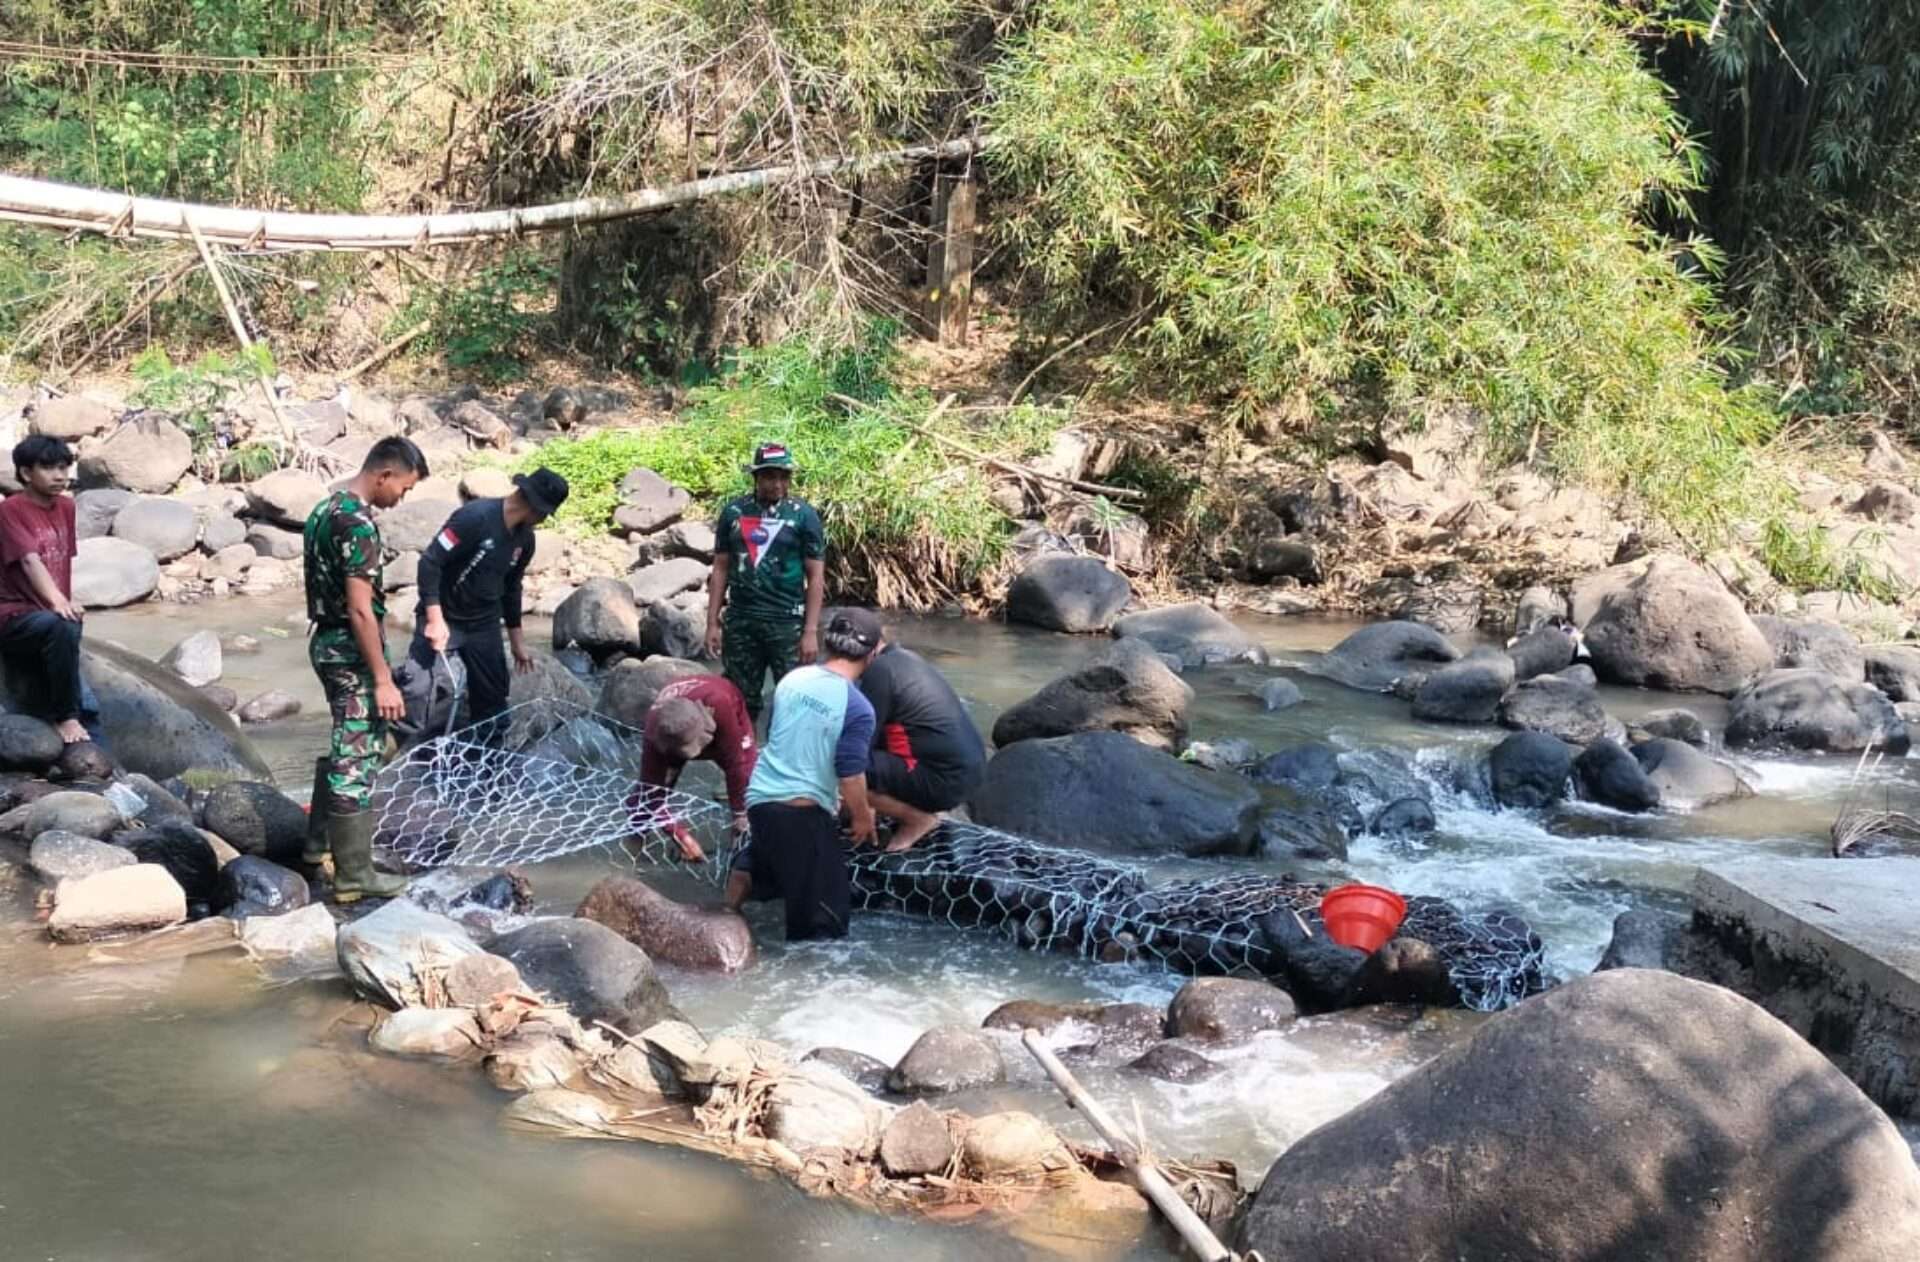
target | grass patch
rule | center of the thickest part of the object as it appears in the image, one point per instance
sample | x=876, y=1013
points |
x=910, y=522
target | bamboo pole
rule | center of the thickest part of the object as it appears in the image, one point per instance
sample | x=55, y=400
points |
x=397, y=344
x=1152, y=1184
x=66, y=207
x=240, y=331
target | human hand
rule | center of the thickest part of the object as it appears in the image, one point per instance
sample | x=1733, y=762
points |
x=809, y=647
x=713, y=640
x=689, y=848
x=68, y=610
x=864, y=830
x=387, y=701
x=438, y=635
x=739, y=827
x=522, y=662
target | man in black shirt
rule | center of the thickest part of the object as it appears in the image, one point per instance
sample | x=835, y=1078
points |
x=470, y=584
x=927, y=755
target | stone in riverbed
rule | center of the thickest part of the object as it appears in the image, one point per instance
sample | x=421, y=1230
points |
x=1404, y=817
x=1113, y=1024
x=668, y=931
x=1679, y=725
x=1530, y=770
x=630, y=688
x=1559, y=707
x=1010, y=1144
x=183, y=852
x=815, y=1108
x=1541, y=652
x=145, y=453
x=1607, y=774
x=592, y=970
x=222, y=531
x=108, y=573
x=946, y=1059
x=1376, y=658
x=1816, y=645
x=1228, y=1010
x=166, y=528
x=94, y=511
x=1068, y=593
x=1894, y=670
x=916, y=1142
x=600, y=617
x=649, y=502
x=1686, y=778
x=667, y=579
x=1280, y=694
x=87, y=814
x=443, y=1033
x=1195, y=633
x=475, y=979
x=1747, y=1145
x=131, y=899
x=1466, y=691
x=1404, y=970
x=252, y=886
x=1644, y=937
x=869, y=1073
x=270, y=707
x=257, y=819
x=1170, y=1063
x=1667, y=623
x=83, y=760
x=1812, y=710
x=1125, y=689
x=393, y=954
x=221, y=695
x=28, y=744
x=58, y=856
x=274, y=542
x=307, y=938
x=196, y=659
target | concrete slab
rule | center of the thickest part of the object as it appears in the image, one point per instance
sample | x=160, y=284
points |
x=1831, y=947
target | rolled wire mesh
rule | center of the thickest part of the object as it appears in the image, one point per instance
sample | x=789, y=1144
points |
x=551, y=778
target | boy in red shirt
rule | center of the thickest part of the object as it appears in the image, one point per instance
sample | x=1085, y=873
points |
x=39, y=623
x=700, y=717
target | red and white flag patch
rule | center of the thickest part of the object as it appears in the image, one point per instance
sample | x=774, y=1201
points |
x=447, y=540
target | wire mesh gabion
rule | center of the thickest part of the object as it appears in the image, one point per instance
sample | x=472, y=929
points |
x=551, y=778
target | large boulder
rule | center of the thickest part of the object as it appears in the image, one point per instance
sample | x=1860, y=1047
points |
x=1296, y=825
x=1068, y=593
x=1815, y=645
x=600, y=617
x=1227, y=1010
x=70, y=811
x=1386, y=654
x=946, y=1059
x=72, y=417
x=131, y=899
x=1314, y=770
x=648, y=502
x=400, y=953
x=1686, y=778
x=1607, y=774
x=285, y=496
x=1675, y=626
x=1631, y=1114
x=1466, y=691
x=630, y=688
x=594, y=971
x=281, y=543
x=94, y=511
x=1894, y=670
x=167, y=528
x=664, y=580
x=109, y=572
x=198, y=659
x=675, y=628
x=1106, y=791
x=673, y=933
x=57, y=856
x=28, y=744
x=1557, y=706
x=410, y=525
x=1530, y=770
x=1197, y=634
x=1541, y=651
x=814, y=1108
x=1126, y=689
x=147, y=453
x=1810, y=709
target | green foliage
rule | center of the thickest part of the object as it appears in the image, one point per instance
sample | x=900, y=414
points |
x=1402, y=201
x=908, y=523
x=486, y=326
x=193, y=395
x=1803, y=559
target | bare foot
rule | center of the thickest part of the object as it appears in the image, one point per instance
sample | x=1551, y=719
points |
x=71, y=732
x=907, y=834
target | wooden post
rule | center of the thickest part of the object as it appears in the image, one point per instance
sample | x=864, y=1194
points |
x=956, y=282
x=240, y=332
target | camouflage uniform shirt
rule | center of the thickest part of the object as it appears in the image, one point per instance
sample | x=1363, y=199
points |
x=341, y=542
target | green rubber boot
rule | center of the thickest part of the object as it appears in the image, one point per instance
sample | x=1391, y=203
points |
x=320, y=809
x=354, y=877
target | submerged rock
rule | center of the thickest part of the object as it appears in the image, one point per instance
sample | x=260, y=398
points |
x=1812, y=710
x=1197, y=634
x=1378, y=657
x=1170, y=1063
x=1404, y=817
x=307, y=938
x=1280, y=694
x=946, y=1059
x=594, y=971
x=445, y=1033
x=1228, y=1010
x=1746, y=1144
x=714, y=941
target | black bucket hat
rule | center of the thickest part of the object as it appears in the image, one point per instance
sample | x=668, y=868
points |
x=545, y=490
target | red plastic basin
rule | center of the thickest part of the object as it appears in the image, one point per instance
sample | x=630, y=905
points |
x=1362, y=916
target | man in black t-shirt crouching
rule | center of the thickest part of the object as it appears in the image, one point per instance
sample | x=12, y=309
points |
x=470, y=584
x=927, y=755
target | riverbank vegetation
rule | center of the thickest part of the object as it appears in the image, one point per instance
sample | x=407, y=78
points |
x=1638, y=241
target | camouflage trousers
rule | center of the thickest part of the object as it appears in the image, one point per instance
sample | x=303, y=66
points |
x=359, y=742
x=750, y=647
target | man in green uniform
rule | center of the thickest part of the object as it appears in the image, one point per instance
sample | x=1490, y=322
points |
x=769, y=574
x=346, y=608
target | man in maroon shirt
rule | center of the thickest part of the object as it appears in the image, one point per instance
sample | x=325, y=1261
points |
x=39, y=623
x=700, y=717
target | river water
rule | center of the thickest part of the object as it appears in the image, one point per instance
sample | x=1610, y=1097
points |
x=183, y=1110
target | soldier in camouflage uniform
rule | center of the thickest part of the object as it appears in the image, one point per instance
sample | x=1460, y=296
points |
x=347, y=647
x=769, y=575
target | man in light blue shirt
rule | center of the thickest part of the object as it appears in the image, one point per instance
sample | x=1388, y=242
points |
x=814, y=759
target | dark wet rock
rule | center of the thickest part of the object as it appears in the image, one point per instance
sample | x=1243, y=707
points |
x=1228, y=1010
x=1280, y=694
x=1122, y=1024
x=1106, y=791
x=1314, y=969
x=1404, y=817
x=166, y=528
x=1466, y=691
x=269, y=707
x=1686, y=778
x=1823, y=646
x=715, y=941
x=1195, y=633
x=28, y=744
x=631, y=688
x=917, y=1142
x=601, y=617
x=1811, y=710
x=252, y=886
x=1673, y=625
x=1404, y=970
x=196, y=659
x=1281, y=557
x=1375, y=658
x=83, y=760
x=1607, y=774
x=1295, y=825
x=162, y=804
x=184, y=853
x=1644, y=937
x=594, y=971
x=869, y=1073
x=1125, y=689
x=1171, y=1063
x=648, y=502
x=1068, y=593
x=1541, y=652
x=57, y=855
x=1679, y=725
x=1558, y=707
x=1530, y=770
x=946, y=1059
x=1579, y=673
x=87, y=814
x=256, y=819
x=1894, y=670
x=1748, y=1146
